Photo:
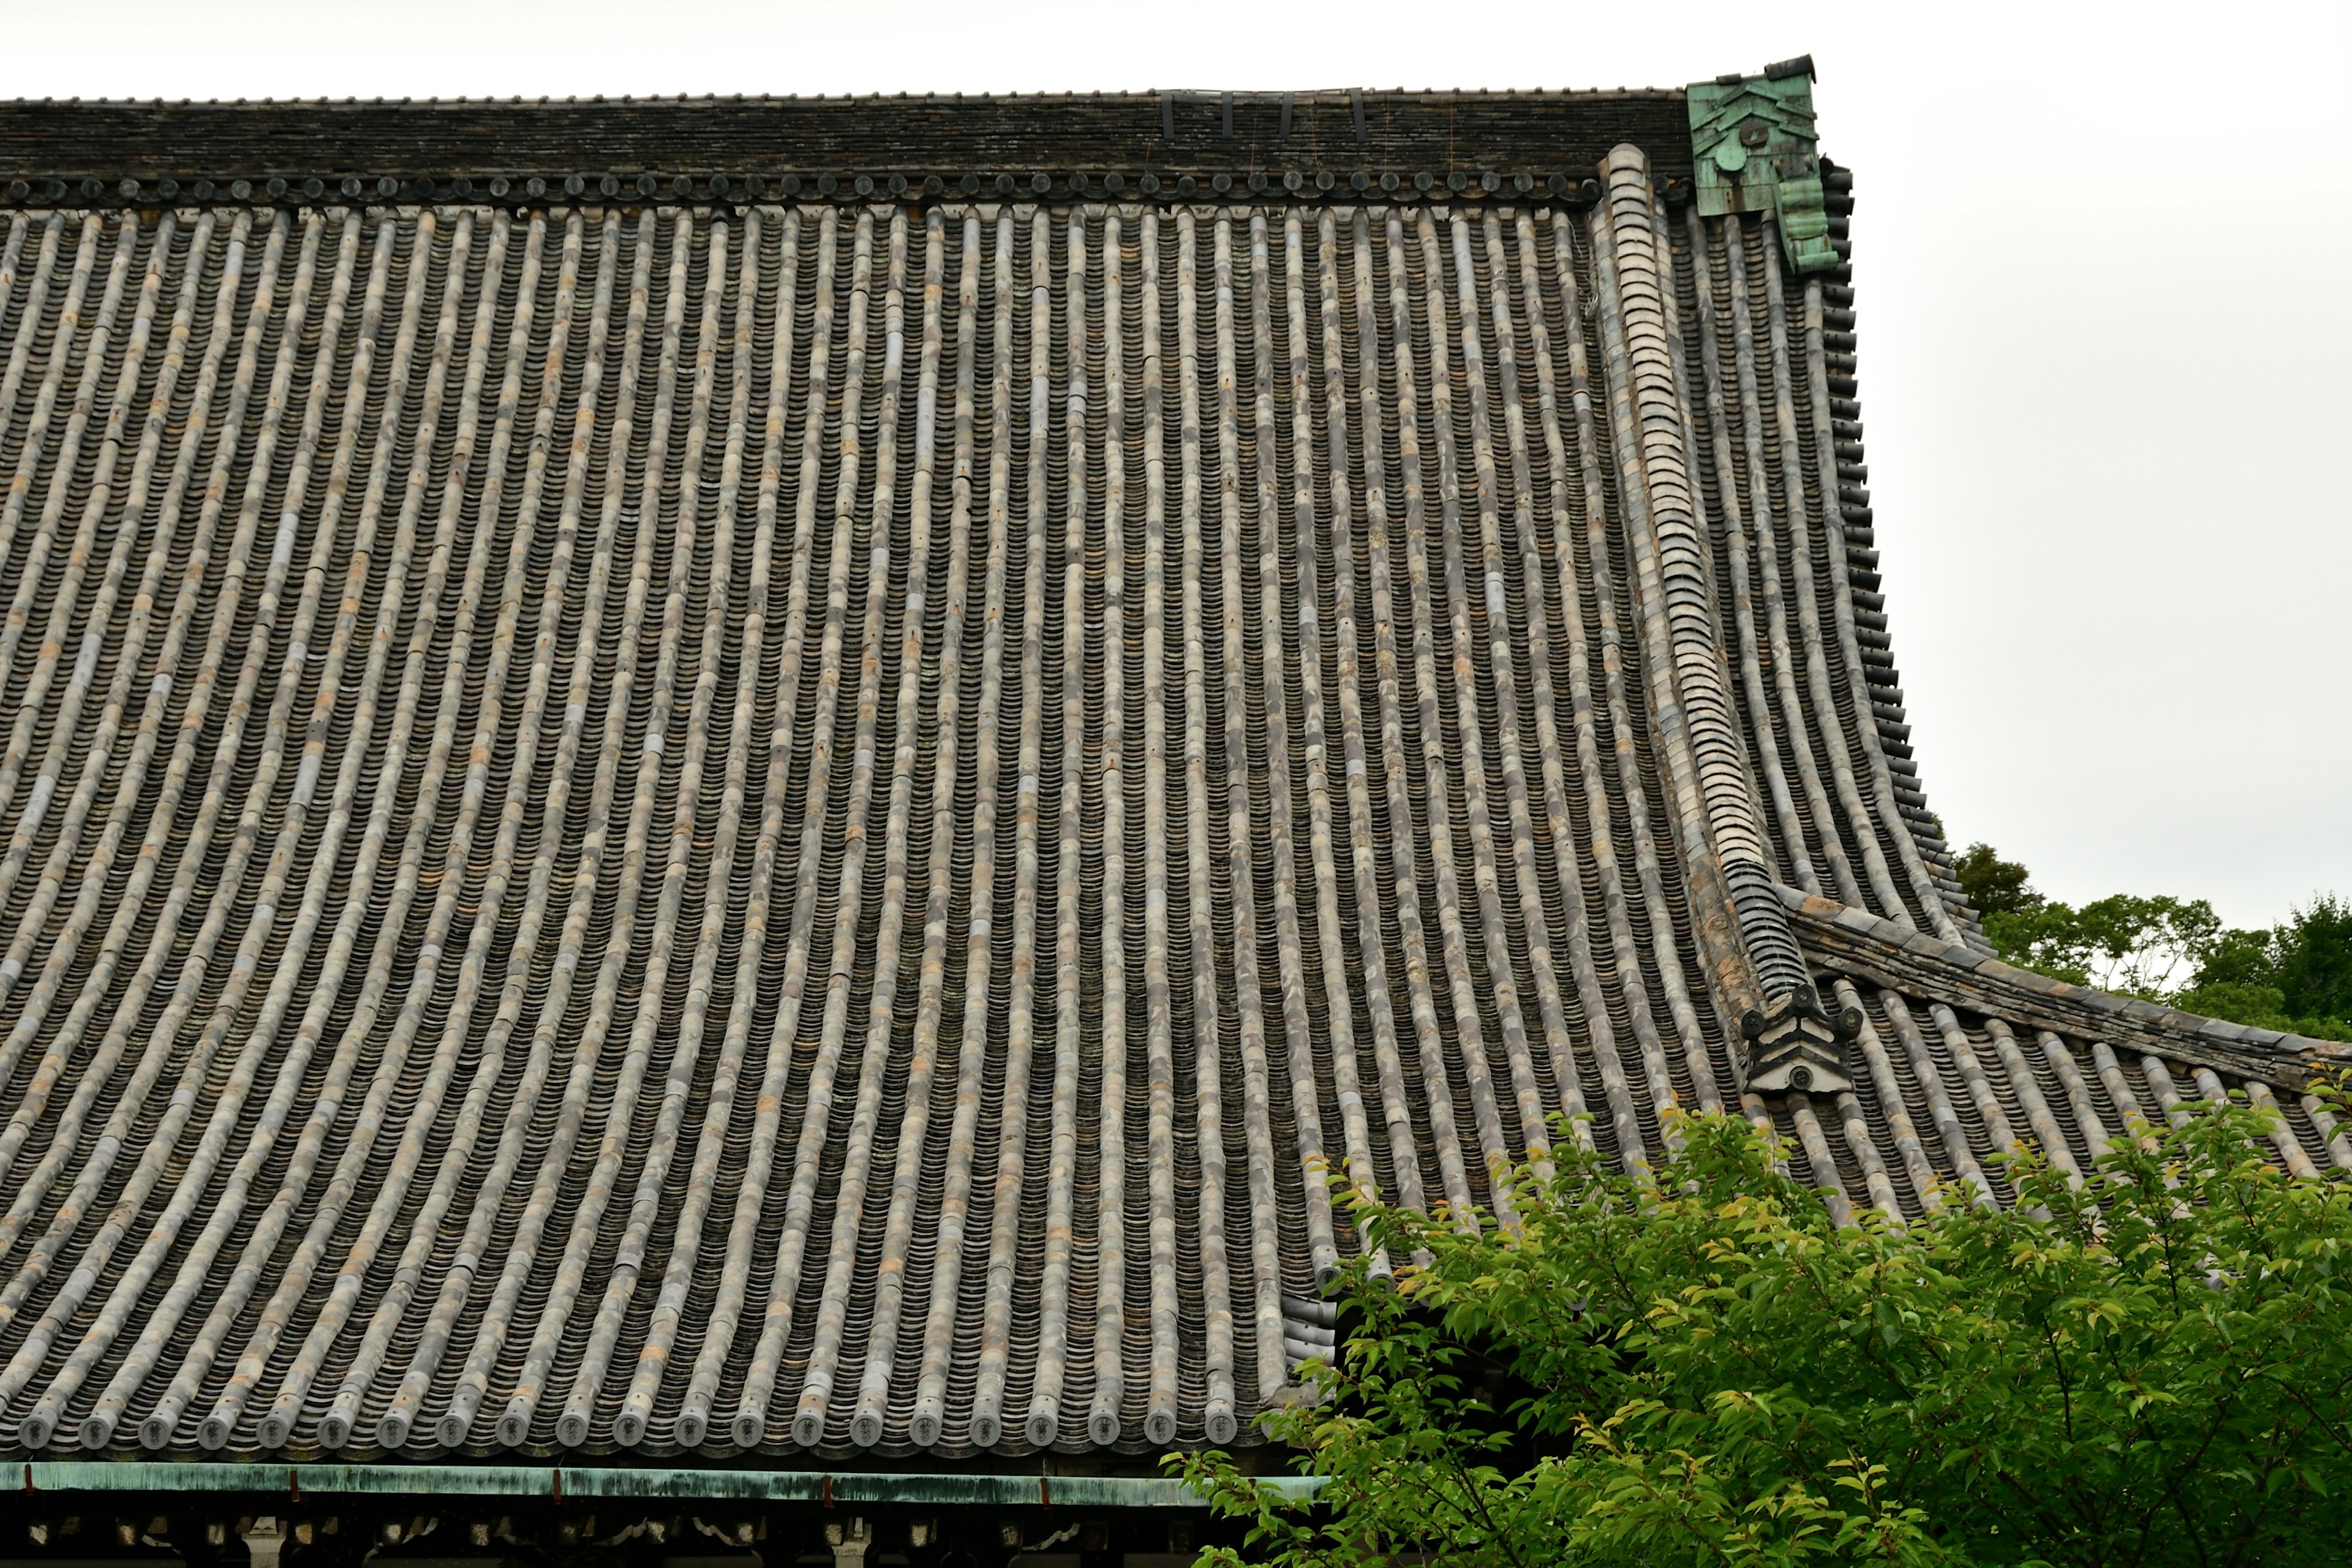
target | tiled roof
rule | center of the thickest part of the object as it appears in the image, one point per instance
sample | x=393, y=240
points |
x=739, y=827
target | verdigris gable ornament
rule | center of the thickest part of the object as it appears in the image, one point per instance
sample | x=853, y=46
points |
x=1752, y=141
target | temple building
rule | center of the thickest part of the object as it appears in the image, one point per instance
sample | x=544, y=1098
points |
x=719, y=813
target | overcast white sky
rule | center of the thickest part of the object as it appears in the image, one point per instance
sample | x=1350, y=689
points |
x=2102, y=258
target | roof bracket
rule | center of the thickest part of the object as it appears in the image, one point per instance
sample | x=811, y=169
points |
x=1752, y=141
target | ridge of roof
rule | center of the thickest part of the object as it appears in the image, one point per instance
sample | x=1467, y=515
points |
x=1145, y=95
x=88, y=149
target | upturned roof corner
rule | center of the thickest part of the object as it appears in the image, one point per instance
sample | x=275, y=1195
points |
x=1752, y=146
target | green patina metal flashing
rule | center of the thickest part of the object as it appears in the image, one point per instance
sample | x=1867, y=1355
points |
x=560, y=1483
x=1753, y=144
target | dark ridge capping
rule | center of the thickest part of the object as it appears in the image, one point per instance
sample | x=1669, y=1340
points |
x=1330, y=145
x=1885, y=684
x=723, y=193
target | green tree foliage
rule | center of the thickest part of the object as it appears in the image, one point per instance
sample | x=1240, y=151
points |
x=1698, y=1367
x=2139, y=947
x=2296, y=976
x=2314, y=959
x=1991, y=885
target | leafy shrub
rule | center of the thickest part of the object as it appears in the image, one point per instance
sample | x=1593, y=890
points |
x=1697, y=1366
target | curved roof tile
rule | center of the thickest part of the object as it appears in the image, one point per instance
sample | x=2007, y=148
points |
x=811, y=827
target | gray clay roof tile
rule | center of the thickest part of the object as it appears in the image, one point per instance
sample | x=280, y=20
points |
x=828, y=828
